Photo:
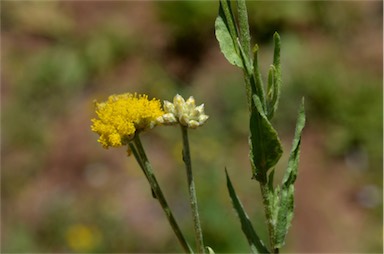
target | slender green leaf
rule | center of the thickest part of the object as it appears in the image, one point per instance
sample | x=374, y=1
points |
x=265, y=145
x=256, y=78
x=284, y=215
x=246, y=60
x=271, y=90
x=225, y=11
x=226, y=34
x=274, y=199
x=293, y=161
x=257, y=246
x=286, y=204
x=277, y=73
x=275, y=80
x=245, y=38
x=276, y=53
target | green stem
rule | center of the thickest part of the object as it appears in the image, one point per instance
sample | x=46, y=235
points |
x=138, y=159
x=192, y=191
x=268, y=214
x=147, y=168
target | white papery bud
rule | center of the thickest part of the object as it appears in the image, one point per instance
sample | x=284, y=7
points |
x=169, y=107
x=184, y=112
x=169, y=118
x=193, y=124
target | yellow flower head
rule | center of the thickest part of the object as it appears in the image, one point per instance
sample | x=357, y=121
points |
x=124, y=114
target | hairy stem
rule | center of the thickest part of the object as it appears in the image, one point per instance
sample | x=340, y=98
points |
x=192, y=191
x=268, y=214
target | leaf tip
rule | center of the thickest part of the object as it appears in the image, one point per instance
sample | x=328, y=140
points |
x=255, y=48
x=276, y=36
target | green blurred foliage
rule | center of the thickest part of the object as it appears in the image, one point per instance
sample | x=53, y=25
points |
x=58, y=183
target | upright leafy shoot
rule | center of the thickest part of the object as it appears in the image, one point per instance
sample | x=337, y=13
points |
x=265, y=146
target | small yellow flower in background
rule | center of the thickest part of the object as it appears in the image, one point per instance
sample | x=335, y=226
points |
x=82, y=238
x=184, y=112
x=121, y=116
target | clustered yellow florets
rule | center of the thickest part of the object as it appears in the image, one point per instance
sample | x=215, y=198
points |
x=121, y=116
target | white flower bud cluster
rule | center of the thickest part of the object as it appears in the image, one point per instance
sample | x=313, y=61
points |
x=184, y=112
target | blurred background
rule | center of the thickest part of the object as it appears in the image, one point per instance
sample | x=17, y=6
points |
x=62, y=192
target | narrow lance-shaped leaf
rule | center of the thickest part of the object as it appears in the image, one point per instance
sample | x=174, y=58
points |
x=226, y=34
x=284, y=214
x=293, y=162
x=271, y=91
x=247, y=62
x=274, y=200
x=265, y=145
x=255, y=243
x=245, y=48
x=245, y=38
x=253, y=77
x=275, y=81
x=286, y=205
x=225, y=10
x=257, y=79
